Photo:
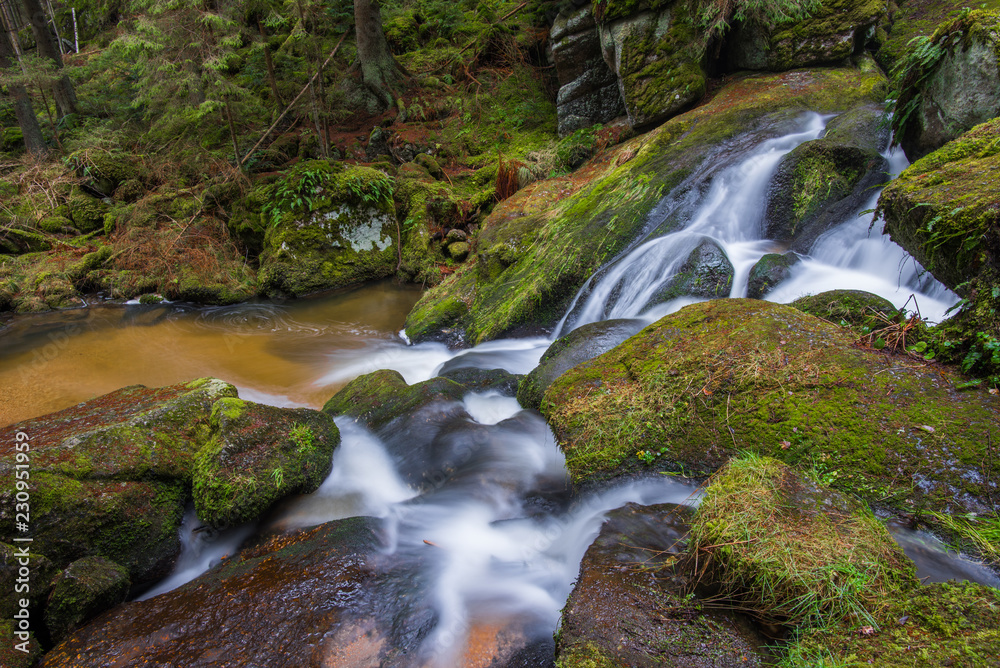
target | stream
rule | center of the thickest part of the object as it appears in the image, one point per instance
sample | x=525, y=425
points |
x=503, y=549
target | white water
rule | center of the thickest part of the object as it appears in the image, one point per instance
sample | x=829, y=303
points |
x=730, y=214
x=490, y=557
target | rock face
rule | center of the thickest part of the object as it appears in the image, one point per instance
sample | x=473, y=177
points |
x=943, y=210
x=87, y=587
x=832, y=32
x=732, y=374
x=330, y=226
x=656, y=53
x=821, y=183
x=958, y=87
x=621, y=613
x=538, y=247
x=582, y=344
x=588, y=89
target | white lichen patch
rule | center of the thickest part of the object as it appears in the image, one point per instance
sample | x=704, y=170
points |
x=362, y=229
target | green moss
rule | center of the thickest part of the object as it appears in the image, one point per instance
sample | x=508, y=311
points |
x=793, y=551
x=86, y=588
x=585, y=655
x=947, y=624
x=719, y=377
x=854, y=308
x=258, y=455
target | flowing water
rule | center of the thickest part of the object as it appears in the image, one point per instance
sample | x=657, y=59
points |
x=501, y=543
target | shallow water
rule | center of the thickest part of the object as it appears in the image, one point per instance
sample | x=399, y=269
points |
x=277, y=353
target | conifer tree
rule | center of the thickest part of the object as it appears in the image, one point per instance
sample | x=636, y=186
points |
x=380, y=72
x=62, y=89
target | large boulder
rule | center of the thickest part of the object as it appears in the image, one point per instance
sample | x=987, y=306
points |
x=821, y=183
x=108, y=476
x=538, y=247
x=657, y=53
x=257, y=455
x=943, y=209
x=949, y=82
x=588, y=89
x=831, y=32
x=623, y=611
x=737, y=374
x=329, y=226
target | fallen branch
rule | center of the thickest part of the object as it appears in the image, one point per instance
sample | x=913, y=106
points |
x=292, y=103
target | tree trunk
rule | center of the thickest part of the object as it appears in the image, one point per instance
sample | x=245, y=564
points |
x=25, y=113
x=271, y=79
x=379, y=70
x=63, y=88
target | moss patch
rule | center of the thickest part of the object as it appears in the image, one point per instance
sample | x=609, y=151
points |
x=718, y=377
x=791, y=550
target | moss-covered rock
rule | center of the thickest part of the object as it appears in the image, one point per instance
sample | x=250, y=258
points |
x=257, y=455
x=109, y=476
x=794, y=551
x=582, y=344
x=657, y=56
x=821, y=183
x=737, y=374
x=949, y=82
x=770, y=270
x=539, y=246
x=378, y=398
x=11, y=653
x=87, y=587
x=15, y=241
x=707, y=273
x=24, y=575
x=855, y=308
x=330, y=226
x=56, y=225
x=624, y=611
x=105, y=169
x=832, y=32
x=86, y=212
x=943, y=209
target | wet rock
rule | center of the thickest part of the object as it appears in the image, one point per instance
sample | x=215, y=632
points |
x=739, y=374
x=772, y=537
x=621, y=613
x=109, y=475
x=86, y=588
x=288, y=598
x=19, y=653
x=483, y=380
x=378, y=398
x=856, y=308
x=345, y=235
x=707, y=274
x=822, y=183
x=832, y=32
x=258, y=455
x=588, y=89
x=956, y=91
x=770, y=270
x=580, y=345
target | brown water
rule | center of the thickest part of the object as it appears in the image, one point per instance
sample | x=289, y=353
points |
x=54, y=360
